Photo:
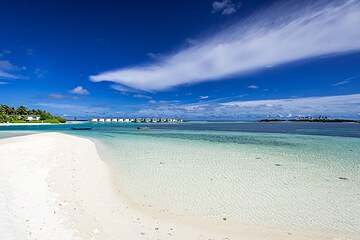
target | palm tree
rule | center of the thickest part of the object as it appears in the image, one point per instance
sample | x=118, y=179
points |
x=22, y=111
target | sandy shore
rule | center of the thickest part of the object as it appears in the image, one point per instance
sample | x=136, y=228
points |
x=55, y=186
x=23, y=124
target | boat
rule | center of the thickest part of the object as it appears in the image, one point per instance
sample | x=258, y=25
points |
x=80, y=128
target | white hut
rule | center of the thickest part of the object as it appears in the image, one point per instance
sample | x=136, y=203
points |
x=114, y=120
x=94, y=120
x=120, y=120
x=32, y=118
x=101, y=120
x=126, y=120
x=108, y=120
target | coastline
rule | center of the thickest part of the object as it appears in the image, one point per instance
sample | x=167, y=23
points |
x=23, y=124
x=66, y=191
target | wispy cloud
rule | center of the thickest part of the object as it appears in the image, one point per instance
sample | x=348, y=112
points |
x=226, y=7
x=191, y=41
x=142, y=96
x=80, y=90
x=76, y=110
x=4, y=52
x=341, y=83
x=124, y=89
x=253, y=86
x=56, y=96
x=280, y=34
x=339, y=105
x=203, y=97
x=39, y=73
x=3, y=83
x=346, y=81
x=309, y=105
x=158, y=102
x=155, y=56
x=8, y=70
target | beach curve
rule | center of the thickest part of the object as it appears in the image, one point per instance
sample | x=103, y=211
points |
x=68, y=192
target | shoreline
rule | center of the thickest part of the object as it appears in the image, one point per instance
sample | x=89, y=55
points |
x=24, y=124
x=78, y=198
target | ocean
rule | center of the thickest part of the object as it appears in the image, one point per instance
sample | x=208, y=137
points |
x=301, y=176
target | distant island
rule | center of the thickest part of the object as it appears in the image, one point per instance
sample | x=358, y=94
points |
x=310, y=119
x=25, y=115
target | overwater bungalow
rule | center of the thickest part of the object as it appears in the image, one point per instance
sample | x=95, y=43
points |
x=137, y=120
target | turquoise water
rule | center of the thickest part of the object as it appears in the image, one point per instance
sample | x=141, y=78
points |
x=7, y=134
x=277, y=180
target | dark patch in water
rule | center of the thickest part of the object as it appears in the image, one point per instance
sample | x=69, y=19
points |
x=253, y=140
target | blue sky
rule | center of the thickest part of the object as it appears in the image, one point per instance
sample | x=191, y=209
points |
x=192, y=59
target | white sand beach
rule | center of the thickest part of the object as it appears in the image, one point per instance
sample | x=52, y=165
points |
x=56, y=186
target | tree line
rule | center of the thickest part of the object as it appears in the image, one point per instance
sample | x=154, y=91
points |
x=11, y=114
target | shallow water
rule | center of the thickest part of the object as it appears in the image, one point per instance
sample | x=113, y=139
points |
x=270, y=180
x=273, y=178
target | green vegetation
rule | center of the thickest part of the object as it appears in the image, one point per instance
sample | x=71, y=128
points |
x=22, y=114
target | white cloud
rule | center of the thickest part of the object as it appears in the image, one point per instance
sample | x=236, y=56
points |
x=80, y=90
x=122, y=88
x=3, y=83
x=6, y=65
x=278, y=35
x=157, y=102
x=253, y=86
x=142, y=96
x=341, y=83
x=7, y=70
x=75, y=110
x=226, y=7
x=339, y=105
x=155, y=56
x=204, y=97
x=310, y=105
x=346, y=81
x=56, y=96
